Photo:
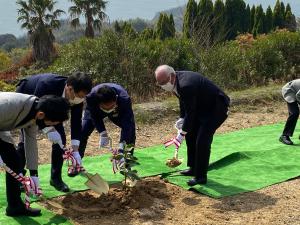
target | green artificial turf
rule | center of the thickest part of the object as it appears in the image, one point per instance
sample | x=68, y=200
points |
x=247, y=160
x=241, y=161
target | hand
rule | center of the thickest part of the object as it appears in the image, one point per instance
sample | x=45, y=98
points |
x=176, y=140
x=75, y=145
x=180, y=137
x=104, y=139
x=35, y=185
x=179, y=123
x=55, y=137
x=77, y=157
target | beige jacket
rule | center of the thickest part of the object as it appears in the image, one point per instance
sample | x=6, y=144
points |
x=14, y=107
x=291, y=91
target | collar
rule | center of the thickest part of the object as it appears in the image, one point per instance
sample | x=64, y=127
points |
x=64, y=93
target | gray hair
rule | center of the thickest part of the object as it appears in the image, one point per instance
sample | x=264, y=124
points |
x=165, y=68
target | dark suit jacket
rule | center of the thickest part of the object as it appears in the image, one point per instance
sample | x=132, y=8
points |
x=198, y=97
x=122, y=116
x=52, y=84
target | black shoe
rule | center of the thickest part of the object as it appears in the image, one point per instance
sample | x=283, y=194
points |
x=74, y=173
x=59, y=185
x=285, y=140
x=194, y=181
x=22, y=211
x=187, y=172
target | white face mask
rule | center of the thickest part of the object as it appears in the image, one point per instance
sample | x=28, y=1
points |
x=108, y=110
x=168, y=86
x=76, y=101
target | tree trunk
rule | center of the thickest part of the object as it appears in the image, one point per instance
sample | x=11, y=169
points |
x=42, y=44
x=89, y=30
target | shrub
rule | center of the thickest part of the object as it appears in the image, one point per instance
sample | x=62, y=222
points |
x=5, y=61
x=18, y=54
x=288, y=43
x=6, y=87
x=224, y=65
x=131, y=62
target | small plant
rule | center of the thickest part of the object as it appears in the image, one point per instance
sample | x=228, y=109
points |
x=126, y=161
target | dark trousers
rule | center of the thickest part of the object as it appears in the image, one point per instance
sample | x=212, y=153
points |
x=56, y=155
x=10, y=158
x=88, y=127
x=291, y=122
x=200, y=138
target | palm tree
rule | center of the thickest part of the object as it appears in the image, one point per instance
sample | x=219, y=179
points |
x=40, y=18
x=93, y=11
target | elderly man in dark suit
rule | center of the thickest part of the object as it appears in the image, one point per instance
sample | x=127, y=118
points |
x=74, y=88
x=21, y=111
x=203, y=108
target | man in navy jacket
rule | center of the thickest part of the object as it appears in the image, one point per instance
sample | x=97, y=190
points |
x=74, y=88
x=112, y=101
x=203, y=108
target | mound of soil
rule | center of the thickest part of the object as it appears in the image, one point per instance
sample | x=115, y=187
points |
x=147, y=201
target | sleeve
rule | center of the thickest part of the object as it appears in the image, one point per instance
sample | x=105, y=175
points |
x=95, y=114
x=182, y=109
x=76, y=116
x=190, y=103
x=298, y=96
x=31, y=149
x=127, y=123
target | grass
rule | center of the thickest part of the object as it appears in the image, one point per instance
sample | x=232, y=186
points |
x=249, y=99
x=256, y=95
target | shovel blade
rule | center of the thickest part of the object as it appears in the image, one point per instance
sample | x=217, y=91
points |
x=97, y=183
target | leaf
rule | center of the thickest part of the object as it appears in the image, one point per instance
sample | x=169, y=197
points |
x=118, y=157
x=133, y=163
x=131, y=157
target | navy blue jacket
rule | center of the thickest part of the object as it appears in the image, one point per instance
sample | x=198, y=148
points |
x=52, y=84
x=197, y=98
x=123, y=115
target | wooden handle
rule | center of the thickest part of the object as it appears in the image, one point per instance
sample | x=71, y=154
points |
x=176, y=154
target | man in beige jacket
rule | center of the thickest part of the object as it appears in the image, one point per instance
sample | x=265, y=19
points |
x=21, y=111
x=291, y=94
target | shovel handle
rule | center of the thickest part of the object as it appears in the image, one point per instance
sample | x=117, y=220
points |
x=86, y=174
x=176, y=153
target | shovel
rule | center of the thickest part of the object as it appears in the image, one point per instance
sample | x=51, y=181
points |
x=95, y=182
x=174, y=162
